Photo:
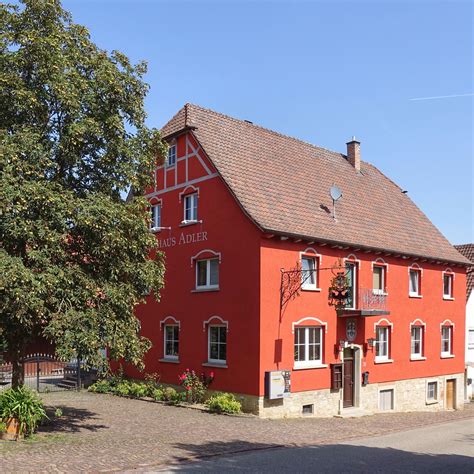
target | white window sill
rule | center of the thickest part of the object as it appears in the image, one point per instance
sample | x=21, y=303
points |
x=211, y=363
x=415, y=295
x=167, y=166
x=203, y=290
x=383, y=361
x=448, y=298
x=310, y=289
x=169, y=359
x=185, y=224
x=432, y=402
x=447, y=356
x=417, y=357
x=155, y=230
x=313, y=366
x=379, y=293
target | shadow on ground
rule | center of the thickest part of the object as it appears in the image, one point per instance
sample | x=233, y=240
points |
x=72, y=420
x=323, y=458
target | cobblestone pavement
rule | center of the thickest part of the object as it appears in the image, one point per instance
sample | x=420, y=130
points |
x=101, y=433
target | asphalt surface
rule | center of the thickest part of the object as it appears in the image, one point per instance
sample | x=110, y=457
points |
x=442, y=448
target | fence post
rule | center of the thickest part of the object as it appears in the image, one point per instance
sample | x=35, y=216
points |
x=78, y=372
x=37, y=374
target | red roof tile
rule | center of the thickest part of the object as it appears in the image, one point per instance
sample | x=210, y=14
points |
x=283, y=184
x=468, y=251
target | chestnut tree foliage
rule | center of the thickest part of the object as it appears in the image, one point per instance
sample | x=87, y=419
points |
x=74, y=255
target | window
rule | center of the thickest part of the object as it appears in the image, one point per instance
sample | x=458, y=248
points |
x=378, y=280
x=190, y=207
x=415, y=282
x=171, y=341
x=417, y=341
x=308, y=273
x=351, y=281
x=446, y=340
x=218, y=344
x=386, y=399
x=470, y=339
x=171, y=156
x=448, y=285
x=432, y=391
x=155, y=217
x=308, y=346
x=207, y=273
x=381, y=343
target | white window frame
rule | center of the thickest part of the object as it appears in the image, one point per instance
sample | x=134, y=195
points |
x=216, y=361
x=379, y=291
x=436, y=398
x=448, y=296
x=416, y=355
x=306, y=363
x=305, y=281
x=208, y=285
x=448, y=353
x=155, y=222
x=172, y=156
x=170, y=356
x=470, y=344
x=193, y=198
x=354, y=282
x=386, y=356
x=416, y=271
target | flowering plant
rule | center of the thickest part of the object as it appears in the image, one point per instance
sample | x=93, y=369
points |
x=195, y=386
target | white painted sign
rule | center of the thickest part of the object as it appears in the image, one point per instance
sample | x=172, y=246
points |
x=183, y=239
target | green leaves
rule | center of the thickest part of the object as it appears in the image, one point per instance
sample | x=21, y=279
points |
x=74, y=255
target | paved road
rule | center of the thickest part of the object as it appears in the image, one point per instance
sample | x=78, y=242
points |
x=443, y=448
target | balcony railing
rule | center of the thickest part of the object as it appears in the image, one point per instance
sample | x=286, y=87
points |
x=372, y=300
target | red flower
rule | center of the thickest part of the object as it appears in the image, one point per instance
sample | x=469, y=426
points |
x=212, y=375
x=188, y=387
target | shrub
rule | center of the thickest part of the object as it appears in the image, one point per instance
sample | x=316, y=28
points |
x=169, y=393
x=137, y=390
x=157, y=394
x=3, y=427
x=195, y=387
x=24, y=405
x=223, y=403
x=101, y=386
x=122, y=389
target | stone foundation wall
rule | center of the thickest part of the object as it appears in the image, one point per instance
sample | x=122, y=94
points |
x=408, y=395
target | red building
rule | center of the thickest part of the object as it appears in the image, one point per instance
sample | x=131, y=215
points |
x=253, y=242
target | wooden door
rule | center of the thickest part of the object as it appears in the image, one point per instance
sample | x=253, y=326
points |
x=450, y=391
x=348, y=395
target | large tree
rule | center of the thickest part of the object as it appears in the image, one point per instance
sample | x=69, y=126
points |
x=74, y=255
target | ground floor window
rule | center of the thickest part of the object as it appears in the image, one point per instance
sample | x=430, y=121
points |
x=386, y=399
x=308, y=346
x=381, y=343
x=432, y=391
x=218, y=344
x=171, y=341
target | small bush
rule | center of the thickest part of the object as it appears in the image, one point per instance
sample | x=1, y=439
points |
x=223, y=403
x=195, y=386
x=101, y=386
x=3, y=427
x=157, y=394
x=169, y=393
x=137, y=390
x=122, y=389
x=58, y=413
x=24, y=405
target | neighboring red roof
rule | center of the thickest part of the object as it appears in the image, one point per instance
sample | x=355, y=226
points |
x=468, y=251
x=283, y=184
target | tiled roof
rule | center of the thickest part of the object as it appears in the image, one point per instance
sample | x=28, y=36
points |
x=468, y=251
x=283, y=184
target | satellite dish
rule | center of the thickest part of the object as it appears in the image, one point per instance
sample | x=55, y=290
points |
x=335, y=192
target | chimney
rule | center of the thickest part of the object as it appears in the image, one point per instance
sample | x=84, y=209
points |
x=353, y=153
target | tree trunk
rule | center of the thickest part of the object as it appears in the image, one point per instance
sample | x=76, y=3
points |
x=15, y=356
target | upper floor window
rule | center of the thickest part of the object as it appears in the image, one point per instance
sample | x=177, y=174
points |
x=448, y=279
x=217, y=344
x=378, y=278
x=171, y=160
x=190, y=207
x=416, y=342
x=171, y=341
x=351, y=276
x=382, y=334
x=470, y=339
x=155, y=217
x=308, y=273
x=415, y=282
x=446, y=341
x=308, y=346
x=207, y=273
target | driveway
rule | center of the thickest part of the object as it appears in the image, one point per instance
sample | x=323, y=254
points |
x=103, y=433
x=443, y=448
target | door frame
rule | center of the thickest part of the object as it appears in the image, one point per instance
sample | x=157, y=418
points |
x=455, y=387
x=357, y=351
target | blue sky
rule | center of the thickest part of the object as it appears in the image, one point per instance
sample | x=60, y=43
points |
x=322, y=72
